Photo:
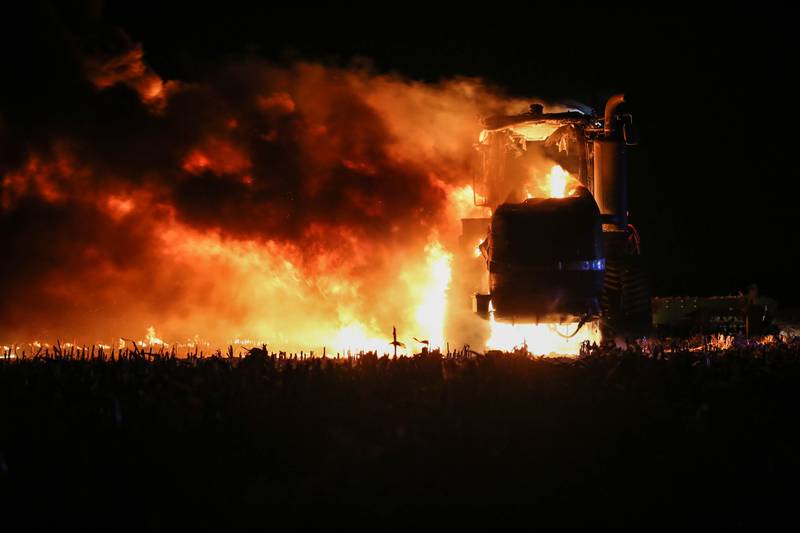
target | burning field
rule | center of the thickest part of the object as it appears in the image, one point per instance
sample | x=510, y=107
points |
x=306, y=207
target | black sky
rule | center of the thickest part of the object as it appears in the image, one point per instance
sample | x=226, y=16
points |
x=713, y=182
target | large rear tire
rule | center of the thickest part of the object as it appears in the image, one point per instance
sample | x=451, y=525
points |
x=626, y=298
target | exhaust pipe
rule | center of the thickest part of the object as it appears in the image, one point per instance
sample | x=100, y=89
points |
x=610, y=169
x=608, y=117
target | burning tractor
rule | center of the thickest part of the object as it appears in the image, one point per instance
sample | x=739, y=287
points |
x=558, y=247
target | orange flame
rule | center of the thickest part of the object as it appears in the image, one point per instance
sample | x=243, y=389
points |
x=557, y=183
x=541, y=339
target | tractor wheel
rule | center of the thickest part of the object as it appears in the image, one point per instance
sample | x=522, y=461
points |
x=626, y=298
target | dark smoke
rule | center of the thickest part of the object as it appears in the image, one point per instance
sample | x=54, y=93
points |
x=341, y=171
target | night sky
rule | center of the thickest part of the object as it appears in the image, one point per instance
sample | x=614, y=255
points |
x=713, y=183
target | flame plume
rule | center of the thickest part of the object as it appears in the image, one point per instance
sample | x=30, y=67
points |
x=307, y=207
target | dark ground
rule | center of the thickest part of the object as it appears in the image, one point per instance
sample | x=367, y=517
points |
x=616, y=437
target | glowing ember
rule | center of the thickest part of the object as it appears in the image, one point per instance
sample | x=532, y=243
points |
x=152, y=340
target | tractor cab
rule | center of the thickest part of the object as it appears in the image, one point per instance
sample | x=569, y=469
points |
x=558, y=246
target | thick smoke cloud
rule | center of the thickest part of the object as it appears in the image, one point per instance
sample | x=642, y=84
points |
x=280, y=201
